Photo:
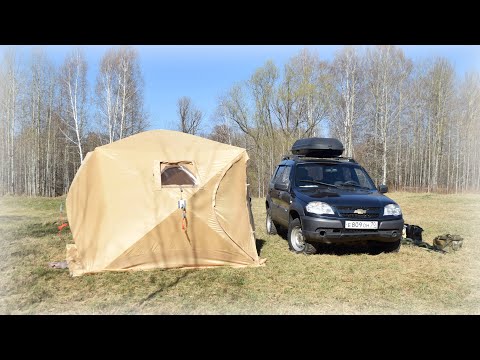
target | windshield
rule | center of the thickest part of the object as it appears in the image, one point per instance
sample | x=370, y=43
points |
x=335, y=175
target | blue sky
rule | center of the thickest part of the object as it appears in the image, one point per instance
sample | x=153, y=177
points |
x=204, y=72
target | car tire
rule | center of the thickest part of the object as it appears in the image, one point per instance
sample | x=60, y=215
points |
x=391, y=247
x=296, y=240
x=269, y=224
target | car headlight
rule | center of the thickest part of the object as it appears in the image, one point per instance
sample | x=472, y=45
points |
x=318, y=207
x=392, y=209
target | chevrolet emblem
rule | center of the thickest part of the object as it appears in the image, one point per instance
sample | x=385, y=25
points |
x=360, y=211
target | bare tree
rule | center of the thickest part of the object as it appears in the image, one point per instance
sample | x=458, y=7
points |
x=119, y=93
x=388, y=69
x=73, y=78
x=347, y=106
x=313, y=85
x=108, y=93
x=251, y=107
x=468, y=130
x=3, y=136
x=190, y=117
x=441, y=95
x=10, y=102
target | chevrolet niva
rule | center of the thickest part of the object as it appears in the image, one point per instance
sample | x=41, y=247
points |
x=322, y=197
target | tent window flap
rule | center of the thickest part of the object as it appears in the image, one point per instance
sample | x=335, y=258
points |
x=168, y=174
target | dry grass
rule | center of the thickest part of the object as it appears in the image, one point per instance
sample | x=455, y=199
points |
x=413, y=281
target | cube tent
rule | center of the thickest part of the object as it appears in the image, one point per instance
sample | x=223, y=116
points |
x=160, y=199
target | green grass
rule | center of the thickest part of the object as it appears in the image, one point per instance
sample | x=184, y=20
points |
x=413, y=281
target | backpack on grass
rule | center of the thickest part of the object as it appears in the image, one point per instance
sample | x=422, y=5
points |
x=446, y=242
x=413, y=232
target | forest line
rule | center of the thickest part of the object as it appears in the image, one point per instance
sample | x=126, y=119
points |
x=412, y=125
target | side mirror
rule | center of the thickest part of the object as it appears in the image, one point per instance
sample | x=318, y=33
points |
x=281, y=187
x=382, y=189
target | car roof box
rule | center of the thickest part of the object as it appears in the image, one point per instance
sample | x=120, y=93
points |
x=318, y=147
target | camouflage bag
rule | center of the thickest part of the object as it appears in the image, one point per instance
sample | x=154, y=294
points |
x=446, y=242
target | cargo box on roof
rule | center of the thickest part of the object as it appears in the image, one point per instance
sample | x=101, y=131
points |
x=318, y=147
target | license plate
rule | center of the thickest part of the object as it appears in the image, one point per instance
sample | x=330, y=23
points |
x=361, y=224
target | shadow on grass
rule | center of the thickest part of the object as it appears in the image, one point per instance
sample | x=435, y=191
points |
x=348, y=249
x=282, y=232
x=166, y=286
x=38, y=230
x=259, y=244
x=340, y=249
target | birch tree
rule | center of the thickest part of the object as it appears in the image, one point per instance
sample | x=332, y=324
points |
x=119, y=90
x=9, y=106
x=73, y=79
x=388, y=69
x=441, y=96
x=347, y=107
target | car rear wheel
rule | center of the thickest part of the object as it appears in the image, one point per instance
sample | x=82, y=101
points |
x=296, y=240
x=271, y=228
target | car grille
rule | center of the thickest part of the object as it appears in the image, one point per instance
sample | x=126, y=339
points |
x=348, y=212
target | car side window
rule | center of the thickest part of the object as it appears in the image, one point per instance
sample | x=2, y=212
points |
x=284, y=178
x=278, y=173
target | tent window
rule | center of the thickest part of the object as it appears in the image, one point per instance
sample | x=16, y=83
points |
x=177, y=175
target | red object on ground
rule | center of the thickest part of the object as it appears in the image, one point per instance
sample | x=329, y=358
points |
x=61, y=227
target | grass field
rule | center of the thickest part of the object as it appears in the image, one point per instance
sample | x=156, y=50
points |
x=413, y=281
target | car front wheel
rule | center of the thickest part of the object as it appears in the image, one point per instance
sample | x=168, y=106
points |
x=392, y=247
x=387, y=247
x=296, y=240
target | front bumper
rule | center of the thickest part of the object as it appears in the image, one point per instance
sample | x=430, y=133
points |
x=332, y=231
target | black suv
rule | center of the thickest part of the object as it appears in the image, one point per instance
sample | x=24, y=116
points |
x=322, y=197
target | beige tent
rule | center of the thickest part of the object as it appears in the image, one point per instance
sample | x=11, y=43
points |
x=125, y=211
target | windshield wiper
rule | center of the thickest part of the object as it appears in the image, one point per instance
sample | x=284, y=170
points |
x=350, y=183
x=318, y=182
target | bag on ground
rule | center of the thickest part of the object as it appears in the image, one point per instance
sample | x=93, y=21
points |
x=414, y=232
x=446, y=242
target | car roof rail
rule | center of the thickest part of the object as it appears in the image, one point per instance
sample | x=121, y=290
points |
x=334, y=158
x=350, y=159
x=291, y=157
